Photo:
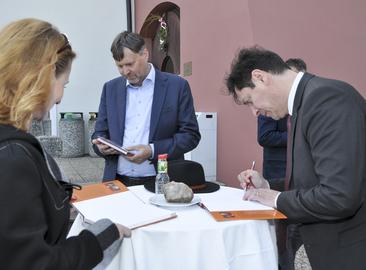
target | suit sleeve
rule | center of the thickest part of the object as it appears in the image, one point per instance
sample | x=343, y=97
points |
x=101, y=125
x=333, y=128
x=186, y=136
x=269, y=135
x=23, y=225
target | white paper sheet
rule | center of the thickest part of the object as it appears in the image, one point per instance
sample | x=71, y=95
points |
x=122, y=208
x=230, y=200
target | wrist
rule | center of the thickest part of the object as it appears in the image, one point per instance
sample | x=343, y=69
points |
x=105, y=231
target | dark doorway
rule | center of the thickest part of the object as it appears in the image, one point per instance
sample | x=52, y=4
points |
x=168, y=65
x=166, y=57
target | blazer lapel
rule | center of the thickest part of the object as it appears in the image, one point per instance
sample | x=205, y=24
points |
x=120, y=109
x=297, y=103
x=160, y=90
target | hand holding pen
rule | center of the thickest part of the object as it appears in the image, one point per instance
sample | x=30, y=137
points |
x=256, y=187
x=244, y=177
x=252, y=179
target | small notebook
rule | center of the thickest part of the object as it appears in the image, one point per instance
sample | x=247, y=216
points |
x=104, y=200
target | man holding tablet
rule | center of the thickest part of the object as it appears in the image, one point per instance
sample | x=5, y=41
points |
x=146, y=111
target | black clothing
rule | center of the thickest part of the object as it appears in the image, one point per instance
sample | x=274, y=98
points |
x=35, y=211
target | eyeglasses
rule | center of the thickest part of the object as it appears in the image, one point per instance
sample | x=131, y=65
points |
x=67, y=44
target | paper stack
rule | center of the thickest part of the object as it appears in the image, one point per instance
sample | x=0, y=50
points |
x=114, y=201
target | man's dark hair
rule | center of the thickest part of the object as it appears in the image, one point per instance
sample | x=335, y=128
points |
x=129, y=40
x=246, y=61
x=296, y=63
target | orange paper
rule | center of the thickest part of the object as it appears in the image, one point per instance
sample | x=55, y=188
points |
x=250, y=214
x=99, y=189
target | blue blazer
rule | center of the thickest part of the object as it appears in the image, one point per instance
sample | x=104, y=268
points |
x=272, y=135
x=173, y=127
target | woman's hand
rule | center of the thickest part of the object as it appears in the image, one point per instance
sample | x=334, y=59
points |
x=123, y=231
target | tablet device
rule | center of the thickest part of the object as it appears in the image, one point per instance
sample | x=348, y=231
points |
x=114, y=145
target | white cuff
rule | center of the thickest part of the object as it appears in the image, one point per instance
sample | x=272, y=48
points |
x=275, y=202
x=152, y=150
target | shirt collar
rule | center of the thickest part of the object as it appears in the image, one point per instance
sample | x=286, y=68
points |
x=291, y=96
x=150, y=77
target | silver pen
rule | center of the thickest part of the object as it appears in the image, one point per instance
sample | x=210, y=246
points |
x=252, y=168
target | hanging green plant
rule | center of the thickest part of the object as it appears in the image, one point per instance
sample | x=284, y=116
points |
x=162, y=31
x=163, y=35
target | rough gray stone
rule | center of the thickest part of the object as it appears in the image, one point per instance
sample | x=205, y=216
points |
x=47, y=130
x=36, y=128
x=72, y=135
x=52, y=144
x=176, y=192
x=40, y=127
x=91, y=127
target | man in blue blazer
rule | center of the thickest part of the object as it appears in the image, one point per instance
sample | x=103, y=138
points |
x=146, y=111
x=272, y=136
x=326, y=190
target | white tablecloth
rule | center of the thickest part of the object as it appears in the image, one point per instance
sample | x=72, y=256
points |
x=195, y=241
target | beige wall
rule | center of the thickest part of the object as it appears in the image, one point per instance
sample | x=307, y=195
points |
x=329, y=35
x=91, y=27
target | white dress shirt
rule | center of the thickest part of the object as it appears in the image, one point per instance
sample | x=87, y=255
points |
x=290, y=104
x=291, y=96
x=137, y=125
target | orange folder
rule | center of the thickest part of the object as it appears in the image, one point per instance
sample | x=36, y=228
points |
x=98, y=190
x=250, y=214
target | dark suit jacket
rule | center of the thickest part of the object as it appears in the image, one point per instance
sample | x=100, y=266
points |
x=272, y=136
x=173, y=126
x=328, y=178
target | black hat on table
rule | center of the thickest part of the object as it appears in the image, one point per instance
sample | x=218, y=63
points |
x=189, y=172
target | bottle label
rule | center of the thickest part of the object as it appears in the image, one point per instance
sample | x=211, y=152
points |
x=162, y=166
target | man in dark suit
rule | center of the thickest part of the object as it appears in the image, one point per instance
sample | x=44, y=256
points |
x=272, y=136
x=326, y=190
x=147, y=111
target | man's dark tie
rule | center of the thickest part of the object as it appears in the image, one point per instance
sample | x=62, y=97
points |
x=289, y=154
x=281, y=225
